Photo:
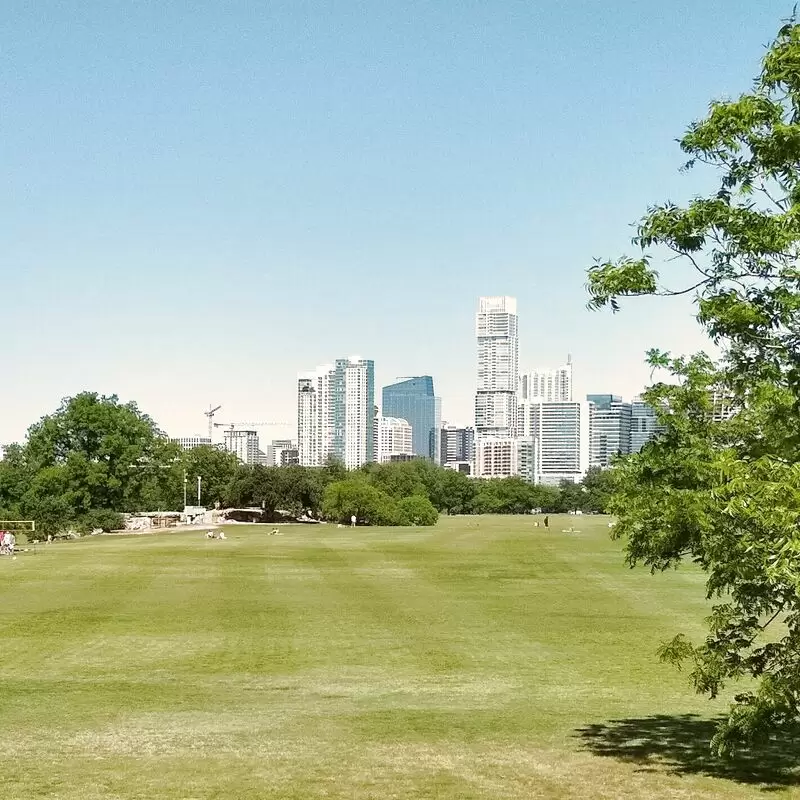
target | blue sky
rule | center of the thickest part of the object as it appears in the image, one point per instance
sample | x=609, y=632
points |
x=198, y=201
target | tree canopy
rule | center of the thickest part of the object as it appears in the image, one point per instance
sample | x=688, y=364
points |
x=723, y=488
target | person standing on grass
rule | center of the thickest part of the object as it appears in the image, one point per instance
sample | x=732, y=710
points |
x=353, y=521
x=547, y=522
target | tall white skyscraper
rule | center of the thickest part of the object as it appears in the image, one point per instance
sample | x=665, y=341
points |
x=313, y=430
x=335, y=412
x=552, y=385
x=497, y=336
x=497, y=333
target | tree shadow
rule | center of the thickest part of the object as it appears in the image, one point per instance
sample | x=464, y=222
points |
x=679, y=745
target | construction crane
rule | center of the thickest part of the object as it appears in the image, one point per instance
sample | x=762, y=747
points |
x=210, y=414
x=233, y=425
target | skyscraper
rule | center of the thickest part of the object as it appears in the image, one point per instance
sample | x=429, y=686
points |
x=644, y=424
x=610, y=428
x=335, y=412
x=557, y=437
x=282, y=453
x=552, y=385
x=413, y=400
x=393, y=437
x=497, y=336
x=457, y=445
x=244, y=445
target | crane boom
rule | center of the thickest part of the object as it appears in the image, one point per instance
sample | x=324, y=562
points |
x=233, y=425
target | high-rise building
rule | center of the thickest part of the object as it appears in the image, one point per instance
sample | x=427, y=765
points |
x=282, y=453
x=244, y=445
x=457, y=445
x=496, y=330
x=610, y=428
x=190, y=442
x=308, y=421
x=552, y=385
x=335, y=413
x=393, y=437
x=557, y=437
x=644, y=424
x=723, y=405
x=496, y=457
x=414, y=400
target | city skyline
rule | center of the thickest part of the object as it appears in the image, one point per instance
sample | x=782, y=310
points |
x=159, y=173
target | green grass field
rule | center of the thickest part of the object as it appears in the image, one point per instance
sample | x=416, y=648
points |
x=483, y=658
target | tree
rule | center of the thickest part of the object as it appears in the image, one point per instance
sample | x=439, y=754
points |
x=356, y=497
x=598, y=484
x=504, y=496
x=216, y=469
x=571, y=497
x=94, y=453
x=416, y=510
x=725, y=492
x=456, y=492
x=397, y=480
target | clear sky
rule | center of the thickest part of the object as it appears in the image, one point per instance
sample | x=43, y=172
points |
x=200, y=200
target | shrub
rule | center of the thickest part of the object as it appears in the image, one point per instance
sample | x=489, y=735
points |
x=416, y=510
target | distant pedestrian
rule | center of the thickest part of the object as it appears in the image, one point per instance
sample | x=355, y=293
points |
x=353, y=521
x=547, y=522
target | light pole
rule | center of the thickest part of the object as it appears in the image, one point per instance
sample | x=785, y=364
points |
x=199, y=481
x=185, y=481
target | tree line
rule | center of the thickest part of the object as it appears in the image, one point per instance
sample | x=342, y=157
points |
x=96, y=458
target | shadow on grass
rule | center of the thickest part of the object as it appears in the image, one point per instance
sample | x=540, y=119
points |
x=679, y=745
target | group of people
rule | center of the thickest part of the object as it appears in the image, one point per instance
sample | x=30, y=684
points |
x=7, y=543
x=215, y=535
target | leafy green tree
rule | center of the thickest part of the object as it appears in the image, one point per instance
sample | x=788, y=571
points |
x=216, y=468
x=101, y=446
x=504, y=496
x=598, y=485
x=416, y=510
x=571, y=497
x=356, y=497
x=726, y=492
x=456, y=492
x=397, y=480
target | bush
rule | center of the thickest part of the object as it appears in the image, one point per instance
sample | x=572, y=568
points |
x=103, y=519
x=416, y=510
x=355, y=497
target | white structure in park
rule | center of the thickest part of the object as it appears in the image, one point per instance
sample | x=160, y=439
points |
x=552, y=385
x=557, y=436
x=393, y=437
x=335, y=413
x=244, y=445
x=497, y=334
x=190, y=442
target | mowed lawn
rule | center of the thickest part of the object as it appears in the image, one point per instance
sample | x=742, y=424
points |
x=482, y=658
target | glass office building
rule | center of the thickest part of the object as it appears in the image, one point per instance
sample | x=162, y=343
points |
x=414, y=401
